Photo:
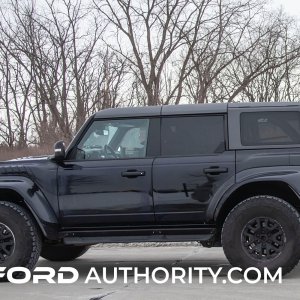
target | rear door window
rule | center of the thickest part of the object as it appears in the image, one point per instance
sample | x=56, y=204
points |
x=194, y=135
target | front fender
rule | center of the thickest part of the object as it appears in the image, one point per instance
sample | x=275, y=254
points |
x=35, y=201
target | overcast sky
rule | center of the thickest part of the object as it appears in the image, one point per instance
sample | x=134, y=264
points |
x=292, y=7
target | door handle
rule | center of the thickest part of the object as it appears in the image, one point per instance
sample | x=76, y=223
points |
x=71, y=167
x=215, y=170
x=133, y=173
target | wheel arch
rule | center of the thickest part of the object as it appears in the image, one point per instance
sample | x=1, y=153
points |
x=25, y=193
x=274, y=188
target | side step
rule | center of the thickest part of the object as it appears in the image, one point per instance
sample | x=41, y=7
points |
x=137, y=235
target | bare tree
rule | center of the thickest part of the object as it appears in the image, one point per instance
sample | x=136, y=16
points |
x=157, y=32
x=15, y=92
x=62, y=60
x=58, y=48
x=244, y=46
x=265, y=72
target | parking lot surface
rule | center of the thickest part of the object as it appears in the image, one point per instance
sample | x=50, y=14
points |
x=152, y=257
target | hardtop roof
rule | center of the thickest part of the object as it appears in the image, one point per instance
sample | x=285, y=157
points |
x=184, y=109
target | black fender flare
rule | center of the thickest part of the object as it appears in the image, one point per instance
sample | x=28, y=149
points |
x=35, y=201
x=290, y=177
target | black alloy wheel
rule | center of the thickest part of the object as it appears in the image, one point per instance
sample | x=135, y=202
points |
x=263, y=238
x=263, y=232
x=7, y=242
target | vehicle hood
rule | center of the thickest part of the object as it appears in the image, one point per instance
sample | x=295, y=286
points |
x=25, y=165
x=27, y=159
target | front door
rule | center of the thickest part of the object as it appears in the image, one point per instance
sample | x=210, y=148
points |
x=108, y=179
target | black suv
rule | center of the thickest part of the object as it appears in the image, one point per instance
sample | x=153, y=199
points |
x=221, y=174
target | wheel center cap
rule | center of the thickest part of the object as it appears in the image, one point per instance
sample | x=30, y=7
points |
x=263, y=238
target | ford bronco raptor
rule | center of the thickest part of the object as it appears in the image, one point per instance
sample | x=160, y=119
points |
x=222, y=174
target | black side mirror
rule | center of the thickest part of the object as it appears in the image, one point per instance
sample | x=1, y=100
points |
x=59, y=151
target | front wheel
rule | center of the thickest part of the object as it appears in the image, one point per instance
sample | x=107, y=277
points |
x=20, y=239
x=262, y=232
x=62, y=252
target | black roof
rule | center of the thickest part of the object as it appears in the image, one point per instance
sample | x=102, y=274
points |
x=161, y=110
x=263, y=104
x=121, y=112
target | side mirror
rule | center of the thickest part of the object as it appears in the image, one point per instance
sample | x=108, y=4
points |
x=59, y=151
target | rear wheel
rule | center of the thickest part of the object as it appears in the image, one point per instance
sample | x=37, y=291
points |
x=62, y=252
x=20, y=240
x=262, y=231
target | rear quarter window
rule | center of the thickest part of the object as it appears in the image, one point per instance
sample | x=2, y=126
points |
x=270, y=128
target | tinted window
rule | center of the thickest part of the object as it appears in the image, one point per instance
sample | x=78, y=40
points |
x=113, y=139
x=193, y=135
x=270, y=128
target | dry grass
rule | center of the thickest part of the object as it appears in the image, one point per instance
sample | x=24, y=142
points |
x=6, y=153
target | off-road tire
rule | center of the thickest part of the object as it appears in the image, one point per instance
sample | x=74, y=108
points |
x=262, y=207
x=62, y=252
x=26, y=237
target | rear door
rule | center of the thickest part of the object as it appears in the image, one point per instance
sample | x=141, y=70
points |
x=193, y=166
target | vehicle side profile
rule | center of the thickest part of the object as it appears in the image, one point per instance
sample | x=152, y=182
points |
x=222, y=174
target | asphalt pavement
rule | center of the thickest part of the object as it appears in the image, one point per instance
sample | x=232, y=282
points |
x=151, y=257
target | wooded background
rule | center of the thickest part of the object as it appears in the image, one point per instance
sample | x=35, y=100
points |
x=62, y=60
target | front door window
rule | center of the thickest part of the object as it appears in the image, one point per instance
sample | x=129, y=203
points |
x=114, y=139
